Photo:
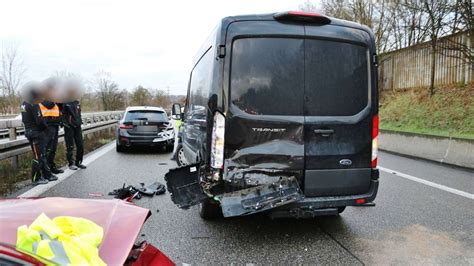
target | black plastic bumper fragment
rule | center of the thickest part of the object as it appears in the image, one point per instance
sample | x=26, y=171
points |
x=183, y=184
x=260, y=198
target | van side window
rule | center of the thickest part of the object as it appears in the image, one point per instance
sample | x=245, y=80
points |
x=200, y=87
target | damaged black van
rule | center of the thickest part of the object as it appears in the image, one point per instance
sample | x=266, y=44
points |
x=280, y=116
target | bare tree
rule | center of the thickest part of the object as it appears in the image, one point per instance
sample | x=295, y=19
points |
x=374, y=14
x=141, y=96
x=11, y=76
x=437, y=13
x=460, y=46
x=160, y=98
x=108, y=92
x=308, y=6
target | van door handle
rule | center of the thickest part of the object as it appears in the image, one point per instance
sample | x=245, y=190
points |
x=324, y=132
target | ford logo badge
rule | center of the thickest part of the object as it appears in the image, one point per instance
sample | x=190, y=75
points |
x=345, y=162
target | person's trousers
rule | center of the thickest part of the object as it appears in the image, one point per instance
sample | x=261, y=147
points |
x=73, y=136
x=51, y=145
x=39, y=165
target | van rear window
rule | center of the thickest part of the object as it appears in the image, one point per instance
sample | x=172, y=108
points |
x=282, y=76
x=336, y=75
x=267, y=76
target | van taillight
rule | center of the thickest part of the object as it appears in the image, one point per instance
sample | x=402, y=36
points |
x=217, y=141
x=123, y=126
x=375, y=142
x=303, y=16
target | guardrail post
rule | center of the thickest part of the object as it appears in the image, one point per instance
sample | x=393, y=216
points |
x=12, y=133
x=14, y=161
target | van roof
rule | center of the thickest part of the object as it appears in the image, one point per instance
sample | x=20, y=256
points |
x=270, y=17
x=217, y=35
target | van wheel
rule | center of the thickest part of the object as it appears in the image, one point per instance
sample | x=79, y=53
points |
x=341, y=209
x=179, y=156
x=210, y=209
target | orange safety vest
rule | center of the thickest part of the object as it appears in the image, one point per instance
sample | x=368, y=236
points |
x=54, y=112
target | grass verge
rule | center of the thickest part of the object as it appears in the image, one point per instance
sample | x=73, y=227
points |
x=449, y=112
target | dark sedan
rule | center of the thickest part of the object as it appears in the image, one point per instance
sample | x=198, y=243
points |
x=145, y=126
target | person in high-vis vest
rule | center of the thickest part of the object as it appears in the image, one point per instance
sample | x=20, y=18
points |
x=35, y=128
x=52, y=115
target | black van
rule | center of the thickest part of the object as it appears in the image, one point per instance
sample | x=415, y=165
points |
x=280, y=116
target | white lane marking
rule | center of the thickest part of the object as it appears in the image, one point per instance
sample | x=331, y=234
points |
x=40, y=189
x=428, y=183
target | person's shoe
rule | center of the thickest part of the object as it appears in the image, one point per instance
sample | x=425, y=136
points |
x=52, y=178
x=40, y=181
x=72, y=167
x=56, y=171
x=80, y=165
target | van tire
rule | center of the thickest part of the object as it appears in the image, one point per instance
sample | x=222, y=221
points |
x=210, y=209
x=340, y=209
x=179, y=156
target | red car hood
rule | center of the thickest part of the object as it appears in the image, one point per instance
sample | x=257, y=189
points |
x=120, y=220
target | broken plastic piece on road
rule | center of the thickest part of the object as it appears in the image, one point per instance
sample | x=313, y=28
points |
x=183, y=184
x=155, y=188
x=96, y=194
x=131, y=192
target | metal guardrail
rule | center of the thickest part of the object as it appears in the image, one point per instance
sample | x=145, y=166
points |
x=11, y=128
x=17, y=144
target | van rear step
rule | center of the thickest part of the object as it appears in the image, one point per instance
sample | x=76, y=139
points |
x=301, y=212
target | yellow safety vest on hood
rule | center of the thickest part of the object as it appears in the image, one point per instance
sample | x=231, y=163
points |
x=64, y=240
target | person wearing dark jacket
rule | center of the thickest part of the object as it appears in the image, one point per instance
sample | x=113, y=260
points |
x=52, y=115
x=72, y=122
x=35, y=127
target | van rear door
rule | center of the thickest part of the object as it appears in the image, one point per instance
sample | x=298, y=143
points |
x=265, y=119
x=338, y=116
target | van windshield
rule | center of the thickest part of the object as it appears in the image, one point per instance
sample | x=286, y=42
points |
x=282, y=76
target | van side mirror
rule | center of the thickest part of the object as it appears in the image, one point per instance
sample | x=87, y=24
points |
x=176, y=111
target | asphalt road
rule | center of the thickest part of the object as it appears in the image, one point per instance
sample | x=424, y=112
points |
x=412, y=223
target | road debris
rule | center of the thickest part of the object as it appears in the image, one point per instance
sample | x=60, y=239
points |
x=133, y=192
x=155, y=188
x=128, y=193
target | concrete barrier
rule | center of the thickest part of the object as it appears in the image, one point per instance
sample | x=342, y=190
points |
x=453, y=151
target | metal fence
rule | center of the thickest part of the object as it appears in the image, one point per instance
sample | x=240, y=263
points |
x=410, y=67
x=14, y=144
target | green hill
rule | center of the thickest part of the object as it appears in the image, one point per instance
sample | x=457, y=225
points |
x=450, y=112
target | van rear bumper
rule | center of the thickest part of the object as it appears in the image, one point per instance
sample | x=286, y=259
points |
x=315, y=206
x=339, y=201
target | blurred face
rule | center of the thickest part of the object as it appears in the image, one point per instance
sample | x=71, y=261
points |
x=33, y=92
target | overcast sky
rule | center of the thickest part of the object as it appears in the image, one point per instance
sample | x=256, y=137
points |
x=151, y=43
